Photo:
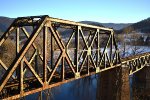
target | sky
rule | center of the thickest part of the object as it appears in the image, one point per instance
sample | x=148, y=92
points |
x=115, y=11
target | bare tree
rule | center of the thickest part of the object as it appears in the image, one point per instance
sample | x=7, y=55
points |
x=126, y=31
x=134, y=42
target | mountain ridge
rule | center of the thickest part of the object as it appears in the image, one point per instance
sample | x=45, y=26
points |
x=5, y=23
x=115, y=26
x=143, y=25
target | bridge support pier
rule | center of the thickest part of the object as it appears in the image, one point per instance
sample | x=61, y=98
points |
x=125, y=87
x=141, y=84
x=109, y=85
x=113, y=85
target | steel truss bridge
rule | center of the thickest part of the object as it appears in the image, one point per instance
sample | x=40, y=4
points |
x=55, y=51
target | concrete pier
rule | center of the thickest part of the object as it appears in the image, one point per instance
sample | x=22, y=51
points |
x=141, y=84
x=114, y=85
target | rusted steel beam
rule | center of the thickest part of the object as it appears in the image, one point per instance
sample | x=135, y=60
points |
x=56, y=37
x=83, y=63
x=108, y=60
x=104, y=51
x=6, y=68
x=88, y=64
x=98, y=48
x=21, y=54
x=97, y=32
x=78, y=24
x=17, y=49
x=70, y=38
x=33, y=71
x=37, y=52
x=63, y=69
x=84, y=48
x=21, y=77
x=70, y=63
x=7, y=33
x=76, y=50
x=56, y=65
x=92, y=61
x=55, y=84
x=62, y=46
x=136, y=62
x=28, y=21
x=132, y=57
x=88, y=59
x=52, y=50
x=17, y=41
x=116, y=47
x=45, y=54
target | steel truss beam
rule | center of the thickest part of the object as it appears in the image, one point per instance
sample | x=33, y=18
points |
x=137, y=62
x=89, y=56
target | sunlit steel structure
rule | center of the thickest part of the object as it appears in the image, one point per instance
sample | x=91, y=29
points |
x=82, y=50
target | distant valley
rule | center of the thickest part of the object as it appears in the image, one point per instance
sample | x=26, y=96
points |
x=115, y=26
x=141, y=26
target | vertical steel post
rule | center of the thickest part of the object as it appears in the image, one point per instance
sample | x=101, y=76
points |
x=98, y=48
x=52, y=50
x=45, y=54
x=21, y=77
x=105, y=59
x=63, y=68
x=88, y=63
x=77, y=50
x=111, y=47
x=36, y=63
x=98, y=52
x=17, y=50
x=117, y=50
x=17, y=41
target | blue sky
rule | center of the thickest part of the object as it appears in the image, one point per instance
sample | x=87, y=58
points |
x=117, y=11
